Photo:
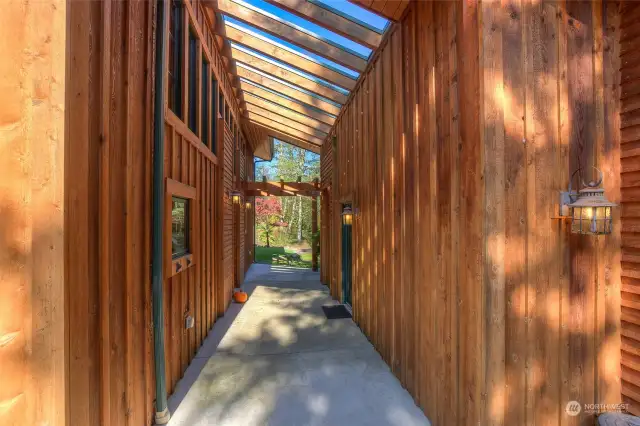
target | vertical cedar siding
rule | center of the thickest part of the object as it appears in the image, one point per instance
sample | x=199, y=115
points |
x=109, y=143
x=453, y=149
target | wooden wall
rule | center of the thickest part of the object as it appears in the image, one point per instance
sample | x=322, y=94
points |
x=32, y=193
x=109, y=107
x=630, y=139
x=465, y=128
x=204, y=290
x=109, y=100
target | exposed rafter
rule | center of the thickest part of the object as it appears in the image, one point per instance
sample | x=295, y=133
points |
x=286, y=121
x=331, y=21
x=287, y=90
x=267, y=122
x=287, y=103
x=283, y=31
x=295, y=60
x=291, y=75
x=390, y=9
x=284, y=74
x=275, y=133
x=251, y=99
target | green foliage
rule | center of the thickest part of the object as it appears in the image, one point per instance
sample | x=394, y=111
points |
x=282, y=256
x=289, y=163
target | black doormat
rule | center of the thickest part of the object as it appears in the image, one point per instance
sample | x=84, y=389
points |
x=336, y=311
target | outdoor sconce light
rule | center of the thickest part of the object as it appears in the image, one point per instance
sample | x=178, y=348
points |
x=589, y=209
x=235, y=197
x=248, y=205
x=347, y=216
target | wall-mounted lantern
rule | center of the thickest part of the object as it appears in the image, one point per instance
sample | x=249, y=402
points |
x=347, y=215
x=248, y=205
x=589, y=209
x=235, y=197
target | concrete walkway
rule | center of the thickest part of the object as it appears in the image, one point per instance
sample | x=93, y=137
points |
x=278, y=361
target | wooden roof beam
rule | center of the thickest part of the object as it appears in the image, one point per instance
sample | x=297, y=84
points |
x=297, y=61
x=281, y=30
x=284, y=74
x=274, y=133
x=250, y=108
x=287, y=90
x=267, y=122
x=287, y=103
x=331, y=21
x=251, y=99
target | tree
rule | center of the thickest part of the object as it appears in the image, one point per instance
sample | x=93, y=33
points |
x=289, y=163
x=268, y=216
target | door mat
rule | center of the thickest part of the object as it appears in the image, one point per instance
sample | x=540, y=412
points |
x=336, y=311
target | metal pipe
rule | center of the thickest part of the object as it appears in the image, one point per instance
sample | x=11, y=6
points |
x=162, y=411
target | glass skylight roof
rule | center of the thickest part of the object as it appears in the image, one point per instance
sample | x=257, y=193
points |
x=306, y=26
x=355, y=13
x=349, y=11
x=293, y=86
x=290, y=68
x=290, y=47
x=289, y=98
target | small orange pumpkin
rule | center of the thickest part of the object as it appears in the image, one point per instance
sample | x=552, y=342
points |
x=240, y=296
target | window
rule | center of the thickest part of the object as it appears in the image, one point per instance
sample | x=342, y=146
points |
x=204, y=136
x=214, y=114
x=221, y=102
x=179, y=227
x=226, y=113
x=174, y=78
x=193, y=75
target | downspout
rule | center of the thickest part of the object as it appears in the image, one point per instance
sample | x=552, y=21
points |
x=162, y=411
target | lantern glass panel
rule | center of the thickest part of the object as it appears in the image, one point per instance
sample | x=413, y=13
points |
x=591, y=220
x=347, y=218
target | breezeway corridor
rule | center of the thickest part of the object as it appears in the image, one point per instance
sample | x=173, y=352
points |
x=278, y=361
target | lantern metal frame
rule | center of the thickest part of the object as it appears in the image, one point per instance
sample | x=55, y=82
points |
x=235, y=196
x=589, y=210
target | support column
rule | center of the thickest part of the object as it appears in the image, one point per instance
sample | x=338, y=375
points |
x=33, y=351
x=314, y=231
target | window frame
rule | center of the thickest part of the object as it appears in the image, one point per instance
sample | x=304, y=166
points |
x=182, y=262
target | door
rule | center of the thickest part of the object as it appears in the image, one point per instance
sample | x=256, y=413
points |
x=346, y=261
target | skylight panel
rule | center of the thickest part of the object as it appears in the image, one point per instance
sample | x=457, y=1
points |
x=308, y=27
x=290, y=47
x=290, y=68
x=355, y=13
x=244, y=80
x=293, y=86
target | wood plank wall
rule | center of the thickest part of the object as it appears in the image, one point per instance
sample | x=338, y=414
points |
x=109, y=100
x=204, y=290
x=630, y=138
x=32, y=193
x=110, y=77
x=465, y=128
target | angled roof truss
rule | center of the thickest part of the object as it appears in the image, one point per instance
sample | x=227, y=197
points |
x=295, y=62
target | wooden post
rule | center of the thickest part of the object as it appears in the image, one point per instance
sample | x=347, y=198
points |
x=314, y=231
x=33, y=350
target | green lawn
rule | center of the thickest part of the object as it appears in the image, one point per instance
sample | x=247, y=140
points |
x=278, y=256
